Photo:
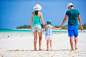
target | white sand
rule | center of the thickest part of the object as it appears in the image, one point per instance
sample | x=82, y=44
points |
x=21, y=45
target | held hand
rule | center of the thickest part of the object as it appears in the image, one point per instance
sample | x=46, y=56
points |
x=31, y=28
x=81, y=28
x=61, y=28
x=44, y=30
x=45, y=27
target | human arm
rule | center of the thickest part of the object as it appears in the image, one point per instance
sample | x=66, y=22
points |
x=55, y=28
x=31, y=21
x=42, y=20
x=80, y=22
x=44, y=29
x=64, y=21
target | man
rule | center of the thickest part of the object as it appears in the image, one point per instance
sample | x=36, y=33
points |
x=72, y=15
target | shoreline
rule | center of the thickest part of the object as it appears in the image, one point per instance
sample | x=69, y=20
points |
x=42, y=29
x=29, y=31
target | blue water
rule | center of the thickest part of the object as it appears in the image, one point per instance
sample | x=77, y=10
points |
x=29, y=31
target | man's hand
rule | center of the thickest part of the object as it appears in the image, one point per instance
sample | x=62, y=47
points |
x=81, y=28
x=64, y=21
x=61, y=27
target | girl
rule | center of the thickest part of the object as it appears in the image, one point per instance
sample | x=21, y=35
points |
x=48, y=36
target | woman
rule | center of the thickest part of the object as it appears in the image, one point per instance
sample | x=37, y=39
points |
x=36, y=25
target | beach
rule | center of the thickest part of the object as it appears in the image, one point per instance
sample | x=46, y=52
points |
x=21, y=45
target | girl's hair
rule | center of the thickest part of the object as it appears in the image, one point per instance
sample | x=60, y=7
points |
x=36, y=12
x=48, y=23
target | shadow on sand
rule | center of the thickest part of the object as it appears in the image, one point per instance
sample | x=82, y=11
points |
x=42, y=50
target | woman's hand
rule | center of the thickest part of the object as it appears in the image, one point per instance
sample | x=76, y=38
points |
x=31, y=28
x=44, y=29
x=45, y=26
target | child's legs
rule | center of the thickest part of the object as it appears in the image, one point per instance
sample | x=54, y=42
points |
x=51, y=44
x=47, y=44
x=49, y=38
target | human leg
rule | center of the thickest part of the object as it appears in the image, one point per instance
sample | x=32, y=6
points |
x=76, y=40
x=40, y=39
x=35, y=39
x=76, y=36
x=47, y=45
x=51, y=44
x=71, y=42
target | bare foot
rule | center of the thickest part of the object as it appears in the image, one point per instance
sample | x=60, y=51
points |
x=51, y=49
x=35, y=50
x=40, y=49
x=76, y=48
x=72, y=49
x=47, y=49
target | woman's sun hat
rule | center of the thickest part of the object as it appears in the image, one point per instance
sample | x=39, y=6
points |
x=37, y=7
x=69, y=4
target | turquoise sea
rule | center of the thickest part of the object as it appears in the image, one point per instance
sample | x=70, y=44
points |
x=29, y=31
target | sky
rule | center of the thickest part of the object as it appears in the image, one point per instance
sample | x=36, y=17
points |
x=14, y=13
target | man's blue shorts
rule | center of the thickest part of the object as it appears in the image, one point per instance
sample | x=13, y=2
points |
x=73, y=30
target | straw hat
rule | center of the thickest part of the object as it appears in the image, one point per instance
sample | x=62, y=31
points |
x=69, y=4
x=37, y=7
